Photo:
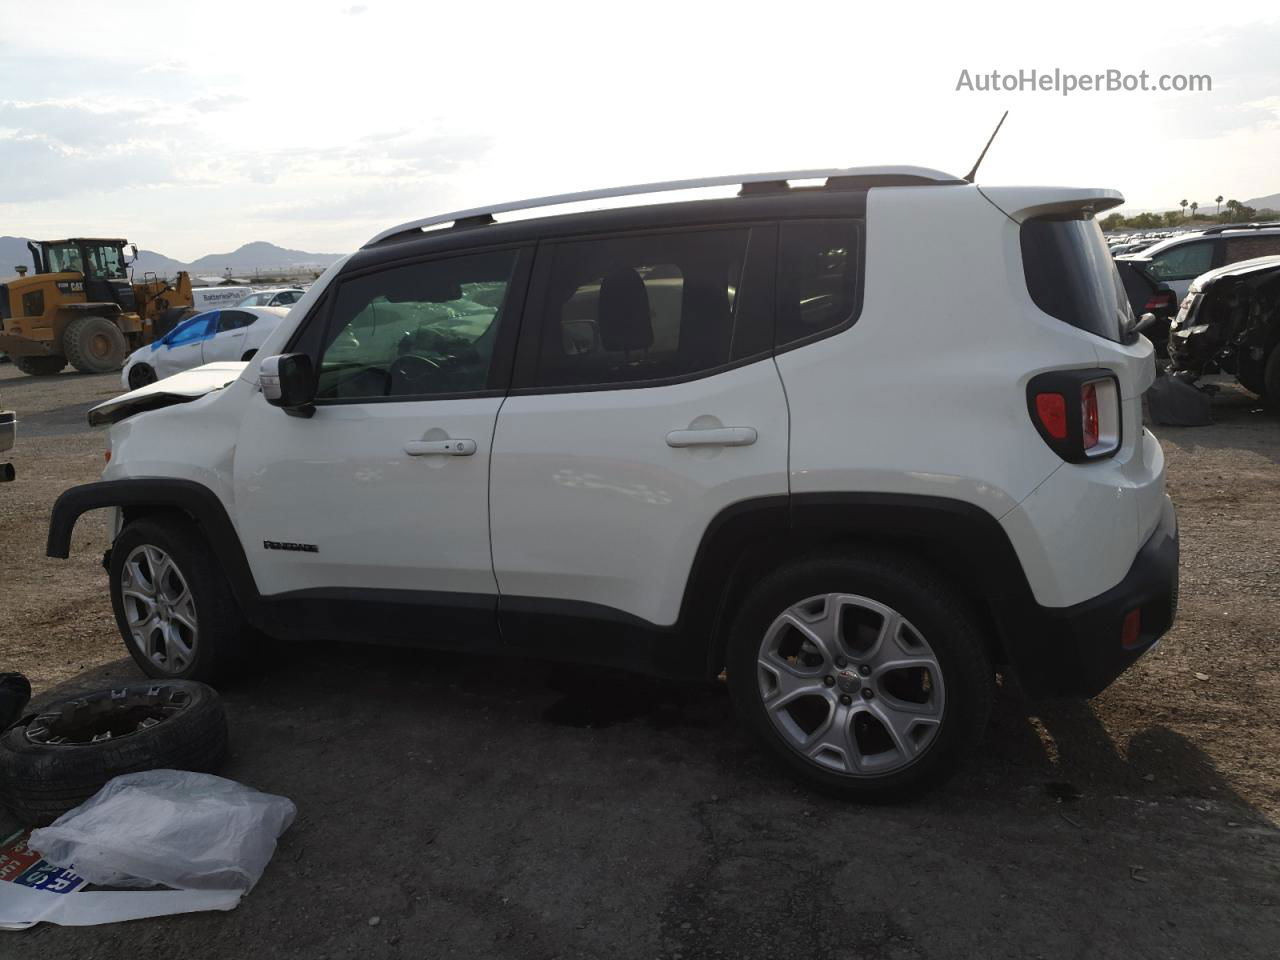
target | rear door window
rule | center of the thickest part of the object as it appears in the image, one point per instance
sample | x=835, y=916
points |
x=1070, y=275
x=634, y=309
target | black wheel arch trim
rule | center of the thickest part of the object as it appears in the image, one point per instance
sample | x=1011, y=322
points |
x=192, y=498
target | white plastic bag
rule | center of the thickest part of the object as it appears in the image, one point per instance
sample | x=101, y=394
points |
x=189, y=831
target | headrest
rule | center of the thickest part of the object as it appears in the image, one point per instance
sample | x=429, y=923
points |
x=624, y=312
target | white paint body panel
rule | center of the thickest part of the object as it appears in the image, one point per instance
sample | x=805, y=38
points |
x=380, y=518
x=591, y=504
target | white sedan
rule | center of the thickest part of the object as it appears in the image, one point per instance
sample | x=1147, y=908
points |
x=234, y=333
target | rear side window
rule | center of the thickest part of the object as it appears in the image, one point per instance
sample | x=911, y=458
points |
x=1246, y=248
x=640, y=308
x=235, y=319
x=819, y=277
x=1070, y=275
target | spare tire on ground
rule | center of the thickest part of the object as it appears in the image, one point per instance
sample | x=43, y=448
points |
x=52, y=761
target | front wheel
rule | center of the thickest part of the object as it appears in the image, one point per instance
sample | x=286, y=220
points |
x=172, y=602
x=863, y=672
x=141, y=375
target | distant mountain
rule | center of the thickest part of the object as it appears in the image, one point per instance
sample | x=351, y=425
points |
x=1269, y=202
x=151, y=262
x=256, y=257
x=261, y=256
x=13, y=252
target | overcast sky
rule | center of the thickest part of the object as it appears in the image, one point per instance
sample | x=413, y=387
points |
x=192, y=128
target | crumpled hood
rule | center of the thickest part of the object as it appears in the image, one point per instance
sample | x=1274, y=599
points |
x=180, y=388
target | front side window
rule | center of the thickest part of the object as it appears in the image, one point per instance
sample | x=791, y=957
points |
x=423, y=329
x=641, y=308
x=64, y=258
x=819, y=267
x=256, y=300
x=1183, y=262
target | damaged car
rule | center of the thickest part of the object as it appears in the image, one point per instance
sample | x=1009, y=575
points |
x=1229, y=322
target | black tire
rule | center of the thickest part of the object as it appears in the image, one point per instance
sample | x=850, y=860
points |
x=40, y=781
x=219, y=646
x=932, y=608
x=141, y=375
x=40, y=366
x=169, y=319
x=1271, y=378
x=94, y=345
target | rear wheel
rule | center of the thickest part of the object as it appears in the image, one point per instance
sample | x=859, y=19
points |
x=40, y=366
x=94, y=345
x=172, y=602
x=864, y=673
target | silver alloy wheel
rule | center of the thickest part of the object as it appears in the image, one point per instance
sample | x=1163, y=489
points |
x=850, y=684
x=159, y=608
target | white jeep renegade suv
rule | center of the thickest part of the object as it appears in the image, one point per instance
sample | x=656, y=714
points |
x=854, y=443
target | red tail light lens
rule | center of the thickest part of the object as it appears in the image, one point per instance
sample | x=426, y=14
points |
x=1089, y=415
x=1159, y=301
x=1051, y=408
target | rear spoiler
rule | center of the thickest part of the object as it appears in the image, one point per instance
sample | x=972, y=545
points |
x=1062, y=203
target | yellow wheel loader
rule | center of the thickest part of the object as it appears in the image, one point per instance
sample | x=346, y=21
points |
x=81, y=307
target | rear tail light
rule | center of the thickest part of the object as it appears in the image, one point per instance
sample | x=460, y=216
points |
x=1076, y=412
x=1161, y=301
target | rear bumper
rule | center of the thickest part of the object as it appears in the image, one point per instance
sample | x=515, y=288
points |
x=1077, y=651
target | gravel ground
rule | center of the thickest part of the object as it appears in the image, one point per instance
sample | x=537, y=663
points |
x=478, y=808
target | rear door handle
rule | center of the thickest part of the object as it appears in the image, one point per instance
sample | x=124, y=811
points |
x=714, y=437
x=447, y=448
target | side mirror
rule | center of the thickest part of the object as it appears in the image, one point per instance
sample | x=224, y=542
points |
x=1144, y=321
x=288, y=381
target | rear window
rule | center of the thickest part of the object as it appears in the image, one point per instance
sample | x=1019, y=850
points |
x=1070, y=275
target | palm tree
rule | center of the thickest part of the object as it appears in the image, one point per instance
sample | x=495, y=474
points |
x=1194, y=207
x=1218, y=201
x=1183, y=205
x=1232, y=206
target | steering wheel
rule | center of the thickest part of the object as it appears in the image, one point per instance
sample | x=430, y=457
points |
x=411, y=370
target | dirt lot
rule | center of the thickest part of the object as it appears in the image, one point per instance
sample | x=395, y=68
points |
x=478, y=808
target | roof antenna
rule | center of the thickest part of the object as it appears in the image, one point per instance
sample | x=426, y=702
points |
x=974, y=172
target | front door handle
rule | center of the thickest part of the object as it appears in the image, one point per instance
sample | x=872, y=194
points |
x=447, y=448
x=713, y=437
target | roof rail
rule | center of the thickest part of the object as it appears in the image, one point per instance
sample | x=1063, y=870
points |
x=847, y=178
x=1224, y=227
